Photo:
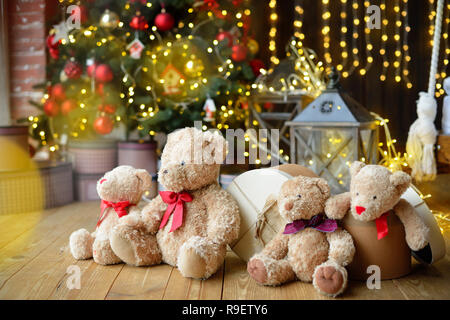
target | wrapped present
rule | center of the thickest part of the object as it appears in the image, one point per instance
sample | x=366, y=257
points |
x=436, y=248
x=256, y=192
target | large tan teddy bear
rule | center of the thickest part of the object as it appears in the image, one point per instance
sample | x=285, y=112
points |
x=194, y=219
x=374, y=192
x=311, y=248
x=120, y=190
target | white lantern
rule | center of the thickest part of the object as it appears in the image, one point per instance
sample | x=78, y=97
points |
x=333, y=131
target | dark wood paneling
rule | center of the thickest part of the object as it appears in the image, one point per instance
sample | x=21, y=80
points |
x=390, y=99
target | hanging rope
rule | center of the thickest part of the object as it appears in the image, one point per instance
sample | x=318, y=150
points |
x=422, y=133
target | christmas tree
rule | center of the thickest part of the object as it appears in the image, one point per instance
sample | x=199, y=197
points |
x=146, y=66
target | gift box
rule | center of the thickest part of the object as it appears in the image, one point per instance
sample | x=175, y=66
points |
x=44, y=185
x=255, y=192
x=392, y=253
x=436, y=249
x=91, y=160
x=14, y=148
x=86, y=186
x=93, y=157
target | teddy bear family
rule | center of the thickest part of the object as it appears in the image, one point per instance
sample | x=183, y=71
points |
x=189, y=225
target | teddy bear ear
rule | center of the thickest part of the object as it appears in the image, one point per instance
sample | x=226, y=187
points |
x=400, y=180
x=145, y=179
x=323, y=187
x=214, y=147
x=356, y=167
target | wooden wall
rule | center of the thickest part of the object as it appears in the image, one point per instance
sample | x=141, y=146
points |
x=390, y=99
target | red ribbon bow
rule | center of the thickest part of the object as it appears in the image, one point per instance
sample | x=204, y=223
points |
x=382, y=226
x=176, y=201
x=120, y=208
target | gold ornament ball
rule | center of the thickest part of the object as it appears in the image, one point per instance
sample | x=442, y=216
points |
x=109, y=19
x=253, y=46
x=194, y=67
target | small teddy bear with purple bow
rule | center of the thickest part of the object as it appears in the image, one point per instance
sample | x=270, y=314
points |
x=311, y=247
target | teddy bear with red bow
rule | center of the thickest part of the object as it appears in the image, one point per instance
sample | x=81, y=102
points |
x=194, y=219
x=375, y=193
x=121, y=190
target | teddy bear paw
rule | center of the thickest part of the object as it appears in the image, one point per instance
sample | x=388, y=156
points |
x=134, y=247
x=103, y=254
x=257, y=270
x=80, y=244
x=191, y=264
x=330, y=279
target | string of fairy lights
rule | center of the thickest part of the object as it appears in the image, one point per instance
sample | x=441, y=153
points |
x=397, y=52
x=441, y=75
x=355, y=36
x=298, y=22
x=273, y=18
x=405, y=46
x=369, y=46
x=343, y=33
x=384, y=38
x=326, y=15
x=395, y=56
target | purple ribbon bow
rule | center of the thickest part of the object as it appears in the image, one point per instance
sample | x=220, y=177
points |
x=318, y=222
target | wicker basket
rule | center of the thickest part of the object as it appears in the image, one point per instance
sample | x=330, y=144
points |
x=14, y=149
x=44, y=186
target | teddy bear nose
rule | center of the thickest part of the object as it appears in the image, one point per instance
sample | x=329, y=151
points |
x=359, y=209
x=165, y=171
x=288, y=206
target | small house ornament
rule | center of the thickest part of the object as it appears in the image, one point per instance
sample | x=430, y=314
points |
x=171, y=80
x=135, y=48
x=210, y=110
x=331, y=132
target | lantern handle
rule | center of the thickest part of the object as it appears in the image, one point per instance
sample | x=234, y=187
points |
x=333, y=79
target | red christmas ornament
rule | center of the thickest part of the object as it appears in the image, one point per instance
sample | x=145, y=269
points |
x=99, y=88
x=90, y=70
x=68, y=106
x=257, y=65
x=268, y=105
x=51, y=108
x=139, y=23
x=103, y=73
x=107, y=108
x=103, y=125
x=239, y=53
x=73, y=70
x=53, y=48
x=164, y=21
x=58, y=92
x=225, y=35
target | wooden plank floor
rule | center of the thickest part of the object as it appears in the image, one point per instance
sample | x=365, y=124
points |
x=34, y=258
